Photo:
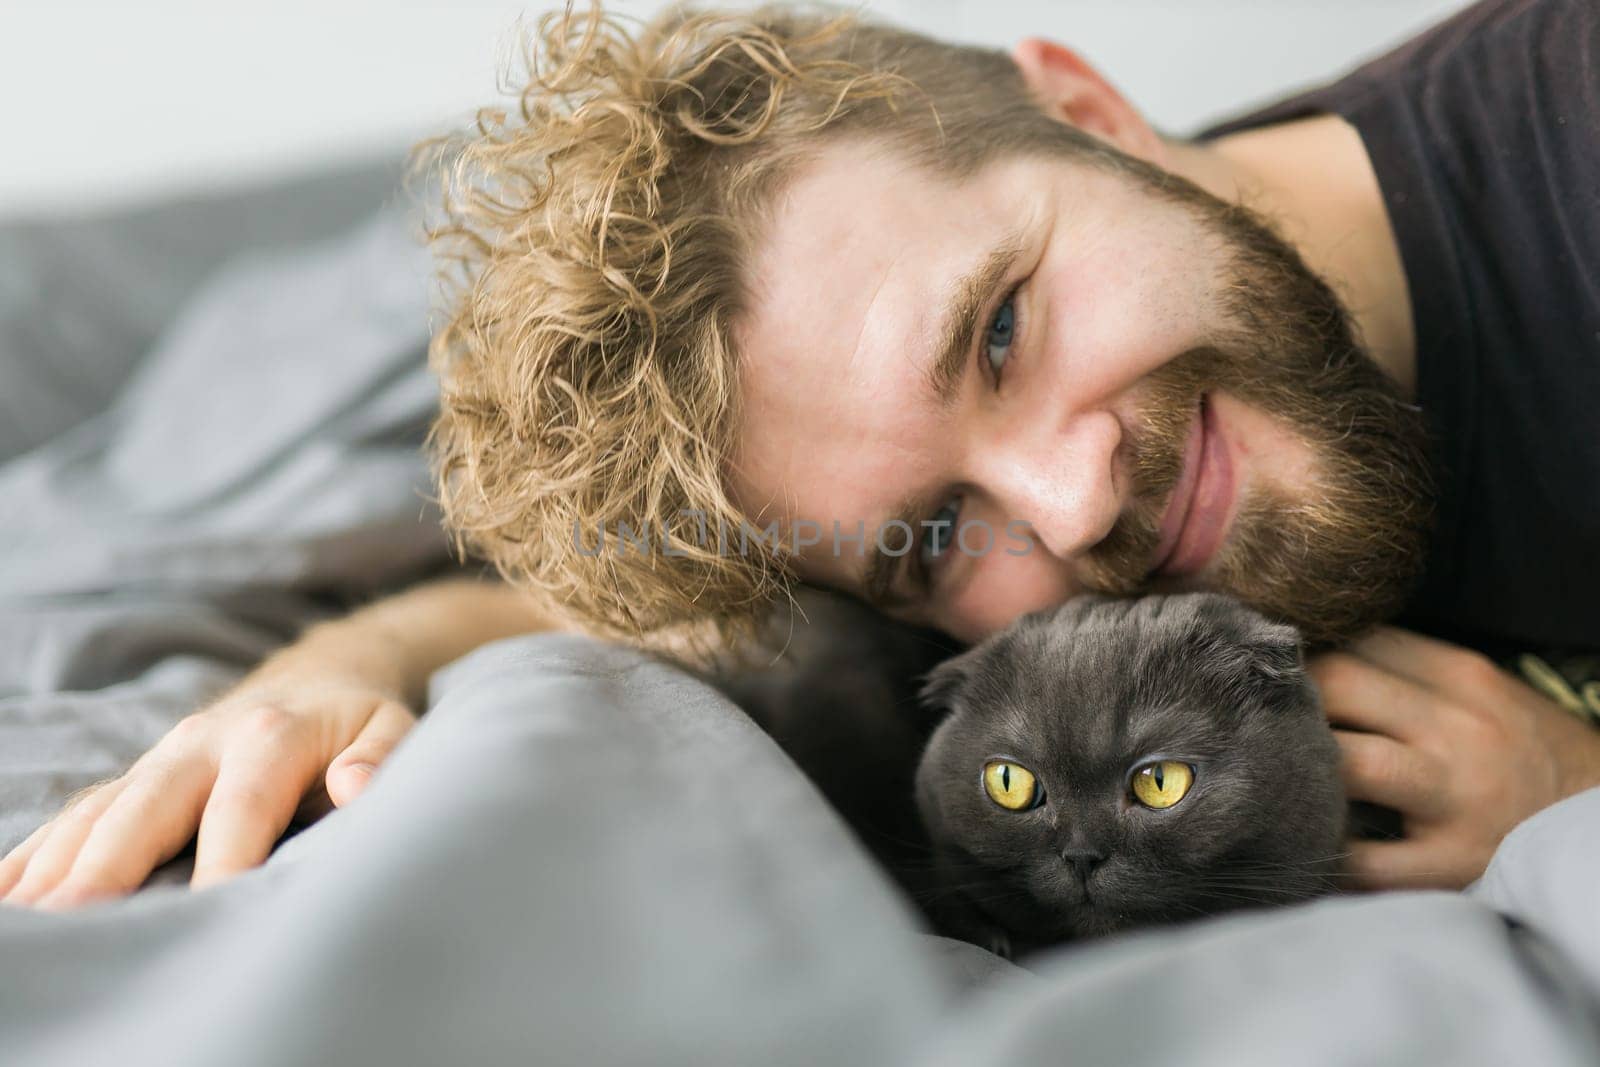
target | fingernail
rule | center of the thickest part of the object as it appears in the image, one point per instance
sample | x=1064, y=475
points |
x=364, y=769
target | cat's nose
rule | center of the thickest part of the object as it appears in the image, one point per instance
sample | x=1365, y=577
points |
x=1083, y=860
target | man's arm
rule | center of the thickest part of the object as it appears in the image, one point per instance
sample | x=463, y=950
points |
x=398, y=642
x=305, y=728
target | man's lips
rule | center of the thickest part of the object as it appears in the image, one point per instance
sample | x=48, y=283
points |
x=1197, y=513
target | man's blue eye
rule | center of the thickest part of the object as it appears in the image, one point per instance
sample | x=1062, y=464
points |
x=1000, y=333
x=940, y=530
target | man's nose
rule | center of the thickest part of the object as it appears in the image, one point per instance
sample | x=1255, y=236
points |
x=1061, y=478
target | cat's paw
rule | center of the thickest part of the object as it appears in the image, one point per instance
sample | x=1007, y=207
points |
x=997, y=941
x=956, y=915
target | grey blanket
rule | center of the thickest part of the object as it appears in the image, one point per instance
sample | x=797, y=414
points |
x=581, y=855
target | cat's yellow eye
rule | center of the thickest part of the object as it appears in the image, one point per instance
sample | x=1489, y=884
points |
x=1010, y=785
x=1163, y=783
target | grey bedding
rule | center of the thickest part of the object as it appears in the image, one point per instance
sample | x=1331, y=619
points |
x=580, y=854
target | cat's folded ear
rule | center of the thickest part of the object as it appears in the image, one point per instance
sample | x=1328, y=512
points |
x=1276, y=651
x=939, y=686
x=1242, y=642
x=1278, y=661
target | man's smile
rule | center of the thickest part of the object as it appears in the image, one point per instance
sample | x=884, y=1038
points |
x=1201, y=507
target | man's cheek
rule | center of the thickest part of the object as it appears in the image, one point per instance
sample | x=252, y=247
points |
x=1007, y=582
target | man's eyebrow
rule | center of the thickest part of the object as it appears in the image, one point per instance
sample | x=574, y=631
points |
x=882, y=567
x=968, y=297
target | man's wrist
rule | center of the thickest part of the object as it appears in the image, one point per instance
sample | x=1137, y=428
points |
x=350, y=651
x=1580, y=763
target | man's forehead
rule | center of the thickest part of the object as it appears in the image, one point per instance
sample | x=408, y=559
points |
x=856, y=262
x=834, y=238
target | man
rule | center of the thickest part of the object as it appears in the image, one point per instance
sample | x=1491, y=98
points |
x=865, y=294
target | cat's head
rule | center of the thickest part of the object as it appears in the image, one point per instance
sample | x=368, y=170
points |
x=1113, y=763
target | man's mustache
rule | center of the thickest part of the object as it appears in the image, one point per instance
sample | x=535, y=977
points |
x=1122, y=562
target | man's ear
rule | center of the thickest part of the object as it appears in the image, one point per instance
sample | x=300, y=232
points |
x=1072, y=91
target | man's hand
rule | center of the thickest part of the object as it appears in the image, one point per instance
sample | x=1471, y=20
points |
x=235, y=773
x=1463, y=750
x=303, y=730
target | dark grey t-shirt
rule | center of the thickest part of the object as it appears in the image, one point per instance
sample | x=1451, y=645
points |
x=1484, y=133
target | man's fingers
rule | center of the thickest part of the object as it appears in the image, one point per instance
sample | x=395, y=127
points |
x=1374, y=865
x=237, y=777
x=1385, y=771
x=1430, y=663
x=348, y=774
x=150, y=821
x=254, y=799
x=1357, y=694
x=16, y=860
x=56, y=844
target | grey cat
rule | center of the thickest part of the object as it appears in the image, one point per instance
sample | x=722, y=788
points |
x=1117, y=763
x=1085, y=700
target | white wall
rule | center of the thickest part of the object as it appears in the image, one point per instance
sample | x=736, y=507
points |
x=106, y=102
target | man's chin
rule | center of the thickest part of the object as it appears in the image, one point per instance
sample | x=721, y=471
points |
x=1201, y=581
x=1327, y=612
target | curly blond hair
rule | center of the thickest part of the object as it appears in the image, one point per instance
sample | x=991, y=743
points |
x=601, y=239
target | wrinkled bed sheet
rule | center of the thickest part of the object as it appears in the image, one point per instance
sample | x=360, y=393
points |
x=210, y=416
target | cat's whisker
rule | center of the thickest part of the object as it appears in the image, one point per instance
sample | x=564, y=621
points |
x=1191, y=908
x=1280, y=881
x=1276, y=870
x=968, y=889
x=906, y=842
x=1280, y=865
x=1255, y=894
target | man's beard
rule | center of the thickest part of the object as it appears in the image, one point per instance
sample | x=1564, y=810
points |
x=1332, y=557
